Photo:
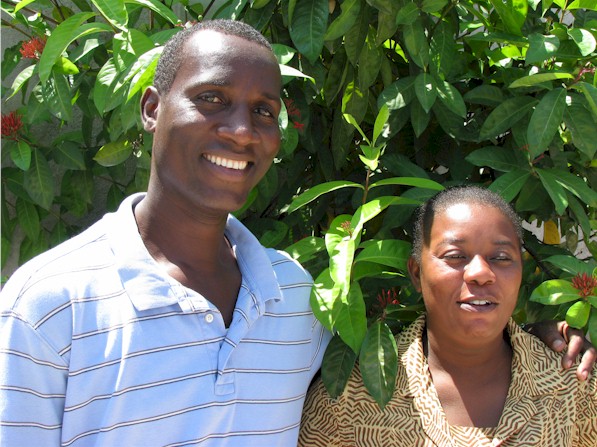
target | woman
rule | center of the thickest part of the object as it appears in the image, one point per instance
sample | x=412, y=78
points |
x=468, y=375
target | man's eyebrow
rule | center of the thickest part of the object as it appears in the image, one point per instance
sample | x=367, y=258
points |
x=459, y=240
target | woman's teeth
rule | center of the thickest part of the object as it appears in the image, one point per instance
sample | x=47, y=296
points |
x=224, y=162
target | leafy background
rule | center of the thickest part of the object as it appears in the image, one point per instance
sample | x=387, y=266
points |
x=386, y=102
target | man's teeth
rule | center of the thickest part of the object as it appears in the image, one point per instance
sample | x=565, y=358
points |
x=224, y=162
x=479, y=302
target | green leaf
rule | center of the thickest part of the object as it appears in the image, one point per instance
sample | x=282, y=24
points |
x=341, y=257
x=486, y=95
x=308, y=26
x=431, y=6
x=584, y=40
x=352, y=322
x=39, y=181
x=593, y=326
x=504, y=116
x=318, y=190
x=451, y=97
x=583, y=4
x=409, y=181
x=539, y=78
x=323, y=299
x=345, y=21
x=577, y=315
x=369, y=210
x=369, y=61
x=59, y=40
x=66, y=67
x=380, y=120
x=407, y=14
x=70, y=156
x=590, y=93
x=425, y=91
x=336, y=367
x=510, y=184
x=581, y=123
x=546, y=120
x=379, y=362
x=541, y=48
x=576, y=185
x=20, y=154
x=114, y=11
x=419, y=119
x=496, y=157
x=554, y=189
x=393, y=253
x=28, y=218
x=554, y=291
x=306, y=249
x=416, y=43
x=113, y=154
x=398, y=94
x=570, y=264
x=513, y=14
x=21, y=79
x=158, y=8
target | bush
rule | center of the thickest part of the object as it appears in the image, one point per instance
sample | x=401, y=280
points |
x=387, y=101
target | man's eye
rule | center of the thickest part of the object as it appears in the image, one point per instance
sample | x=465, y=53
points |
x=264, y=112
x=501, y=258
x=210, y=98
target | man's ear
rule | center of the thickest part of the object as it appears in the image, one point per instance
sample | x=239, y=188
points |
x=149, y=108
x=414, y=271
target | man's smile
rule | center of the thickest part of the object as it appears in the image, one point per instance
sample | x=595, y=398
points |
x=226, y=163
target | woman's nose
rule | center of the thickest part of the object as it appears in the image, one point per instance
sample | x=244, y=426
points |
x=479, y=271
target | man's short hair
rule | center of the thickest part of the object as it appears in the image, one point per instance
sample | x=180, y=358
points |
x=172, y=55
x=468, y=194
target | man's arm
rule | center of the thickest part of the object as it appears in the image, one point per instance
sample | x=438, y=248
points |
x=32, y=385
x=561, y=337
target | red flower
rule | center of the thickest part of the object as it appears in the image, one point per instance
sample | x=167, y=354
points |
x=387, y=297
x=33, y=48
x=11, y=124
x=297, y=125
x=291, y=108
x=585, y=284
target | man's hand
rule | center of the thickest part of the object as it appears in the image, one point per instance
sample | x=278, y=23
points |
x=559, y=337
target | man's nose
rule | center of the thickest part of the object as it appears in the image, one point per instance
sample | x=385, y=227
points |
x=239, y=127
x=479, y=271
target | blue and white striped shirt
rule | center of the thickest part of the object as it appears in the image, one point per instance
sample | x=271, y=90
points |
x=100, y=347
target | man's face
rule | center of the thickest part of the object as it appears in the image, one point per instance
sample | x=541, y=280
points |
x=216, y=130
x=470, y=273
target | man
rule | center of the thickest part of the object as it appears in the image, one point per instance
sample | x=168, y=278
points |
x=167, y=323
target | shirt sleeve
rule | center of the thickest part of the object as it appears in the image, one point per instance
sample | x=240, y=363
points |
x=33, y=380
x=319, y=425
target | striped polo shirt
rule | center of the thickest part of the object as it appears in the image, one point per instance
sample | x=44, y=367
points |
x=100, y=347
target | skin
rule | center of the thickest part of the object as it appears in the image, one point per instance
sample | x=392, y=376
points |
x=469, y=278
x=215, y=136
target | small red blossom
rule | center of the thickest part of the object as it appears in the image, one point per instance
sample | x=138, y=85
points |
x=11, y=125
x=297, y=125
x=387, y=297
x=291, y=108
x=32, y=49
x=585, y=284
x=346, y=227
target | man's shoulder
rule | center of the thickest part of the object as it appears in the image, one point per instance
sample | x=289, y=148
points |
x=287, y=267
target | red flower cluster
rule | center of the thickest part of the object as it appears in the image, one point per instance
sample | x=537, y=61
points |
x=387, y=297
x=33, y=48
x=294, y=112
x=11, y=124
x=585, y=284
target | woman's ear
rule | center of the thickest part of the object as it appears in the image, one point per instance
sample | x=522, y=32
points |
x=414, y=271
x=149, y=108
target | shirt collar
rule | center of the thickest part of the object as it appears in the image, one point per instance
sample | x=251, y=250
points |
x=149, y=287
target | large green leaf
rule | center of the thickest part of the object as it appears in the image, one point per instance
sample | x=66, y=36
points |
x=577, y=315
x=369, y=61
x=391, y=252
x=581, y=124
x=346, y=19
x=425, y=91
x=28, y=218
x=341, y=257
x=554, y=291
x=487, y=95
x=539, y=78
x=513, y=14
x=575, y=184
x=570, y=264
x=407, y=14
x=504, y=116
x=323, y=300
x=318, y=190
x=416, y=44
x=379, y=362
x=58, y=42
x=510, y=184
x=21, y=79
x=398, y=94
x=554, y=189
x=590, y=93
x=593, y=326
x=39, y=181
x=114, y=11
x=546, y=120
x=419, y=119
x=496, y=157
x=157, y=7
x=20, y=154
x=409, y=181
x=308, y=26
x=306, y=249
x=351, y=322
x=372, y=208
x=114, y=153
x=338, y=362
x=541, y=48
x=451, y=97
x=584, y=40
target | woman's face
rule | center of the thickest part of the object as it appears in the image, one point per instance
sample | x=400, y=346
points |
x=470, y=272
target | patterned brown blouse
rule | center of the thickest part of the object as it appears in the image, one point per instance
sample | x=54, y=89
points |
x=545, y=407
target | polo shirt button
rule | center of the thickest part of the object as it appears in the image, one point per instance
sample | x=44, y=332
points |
x=209, y=318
